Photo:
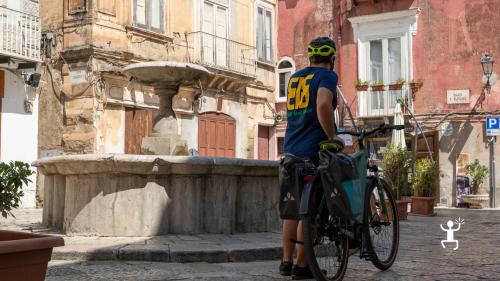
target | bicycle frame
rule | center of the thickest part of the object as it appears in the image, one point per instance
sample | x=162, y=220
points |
x=368, y=182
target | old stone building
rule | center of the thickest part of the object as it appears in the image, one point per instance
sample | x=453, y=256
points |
x=438, y=43
x=88, y=106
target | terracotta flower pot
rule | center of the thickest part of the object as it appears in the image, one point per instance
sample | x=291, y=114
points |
x=402, y=207
x=24, y=256
x=379, y=88
x=422, y=205
x=362, y=88
x=395, y=87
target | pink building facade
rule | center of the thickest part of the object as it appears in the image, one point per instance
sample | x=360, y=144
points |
x=434, y=42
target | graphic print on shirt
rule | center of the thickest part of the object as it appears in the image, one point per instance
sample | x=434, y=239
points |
x=298, y=95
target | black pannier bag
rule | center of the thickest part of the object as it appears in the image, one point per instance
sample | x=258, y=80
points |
x=340, y=180
x=292, y=171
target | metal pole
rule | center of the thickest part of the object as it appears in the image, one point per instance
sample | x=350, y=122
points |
x=344, y=100
x=492, y=142
x=415, y=151
x=418, y=130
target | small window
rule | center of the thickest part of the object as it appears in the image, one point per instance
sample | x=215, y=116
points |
x=264, y=34
x=285, y=71
x=285, y=64
x=77, y=6
x=281, y=146
x=148, y=14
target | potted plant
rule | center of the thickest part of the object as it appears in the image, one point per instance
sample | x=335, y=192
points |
x=477, y=174
x=23, y=256
x=424, y=184
x=362, y=85
x=378, y=86
x=397, y=164
x=398, y=85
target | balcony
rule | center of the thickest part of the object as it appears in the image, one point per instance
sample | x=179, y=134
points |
x=222, y=54
x=19, y=36
x=381, y=103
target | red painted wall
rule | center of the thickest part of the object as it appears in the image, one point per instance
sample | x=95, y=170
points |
x=451, y=36
x=300, y=21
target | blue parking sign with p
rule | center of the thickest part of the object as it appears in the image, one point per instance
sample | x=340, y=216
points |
x=492, y=126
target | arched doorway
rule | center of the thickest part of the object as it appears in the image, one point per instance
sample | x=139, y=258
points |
x=216, y=135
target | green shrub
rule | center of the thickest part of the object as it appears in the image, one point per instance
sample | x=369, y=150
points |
x=478, y=174
x=424, y=180
x=397, y=164
x=12, y=178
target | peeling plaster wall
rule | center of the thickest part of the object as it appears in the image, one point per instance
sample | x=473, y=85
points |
x=451, y=38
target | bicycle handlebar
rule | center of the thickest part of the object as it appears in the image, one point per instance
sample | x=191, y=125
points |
x=382, y=128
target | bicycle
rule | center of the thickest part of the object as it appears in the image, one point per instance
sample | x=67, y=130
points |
x=335, y=225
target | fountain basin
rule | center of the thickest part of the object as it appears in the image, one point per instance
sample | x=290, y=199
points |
x=164, y=73
x=145, y=195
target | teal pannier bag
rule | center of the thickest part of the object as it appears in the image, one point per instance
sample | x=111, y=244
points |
x=340, y=177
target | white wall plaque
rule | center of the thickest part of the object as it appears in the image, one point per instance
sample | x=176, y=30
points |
x=78, y=76
x=458, y=96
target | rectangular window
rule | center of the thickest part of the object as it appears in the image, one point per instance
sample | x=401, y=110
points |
x=264, y=34
x=385, y=66
x=77, y=6
x=281, y=146
x=376, y=61
x=284, y=78
x=214, y=35
x=148, y=14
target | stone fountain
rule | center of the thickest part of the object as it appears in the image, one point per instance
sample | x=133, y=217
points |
x=165, y=77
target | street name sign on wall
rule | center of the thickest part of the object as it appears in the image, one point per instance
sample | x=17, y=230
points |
x=458, y=96
x=492, y=126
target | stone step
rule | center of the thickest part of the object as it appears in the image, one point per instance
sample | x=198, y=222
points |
x=210, y=248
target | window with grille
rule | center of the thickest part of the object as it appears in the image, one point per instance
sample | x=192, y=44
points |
x=281, y=146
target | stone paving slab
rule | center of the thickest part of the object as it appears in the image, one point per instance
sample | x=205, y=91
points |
x=420, y=258
x=211, y=248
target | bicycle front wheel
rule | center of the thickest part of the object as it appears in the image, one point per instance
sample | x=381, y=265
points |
x=382, y=226
x=325, y=240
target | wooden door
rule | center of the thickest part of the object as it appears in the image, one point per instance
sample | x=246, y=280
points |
x=138, y=125
x=216, y=135
x=423, y=152
x=263, y=143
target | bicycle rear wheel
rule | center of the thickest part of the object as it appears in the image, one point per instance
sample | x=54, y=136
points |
x=325, y=240
x=382, y=226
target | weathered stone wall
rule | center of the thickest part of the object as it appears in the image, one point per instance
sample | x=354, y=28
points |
x=144, y=195
x=85, y=50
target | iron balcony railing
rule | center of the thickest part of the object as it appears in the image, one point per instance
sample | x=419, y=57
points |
x=375, y=103
x=19, y=35
x=222, y=53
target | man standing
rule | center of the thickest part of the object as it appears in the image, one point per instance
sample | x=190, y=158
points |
x=311, y=103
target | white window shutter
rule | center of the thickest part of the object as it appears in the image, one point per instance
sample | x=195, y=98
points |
x=140, y=12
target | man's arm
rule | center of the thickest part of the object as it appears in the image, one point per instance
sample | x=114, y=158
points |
x=324, y=106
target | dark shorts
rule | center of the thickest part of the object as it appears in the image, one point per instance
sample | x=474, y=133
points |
x=291, y=179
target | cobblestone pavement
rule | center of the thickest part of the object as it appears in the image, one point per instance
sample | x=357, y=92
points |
x=421, y=257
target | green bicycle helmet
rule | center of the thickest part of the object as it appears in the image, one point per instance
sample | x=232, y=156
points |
x=322, y=46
